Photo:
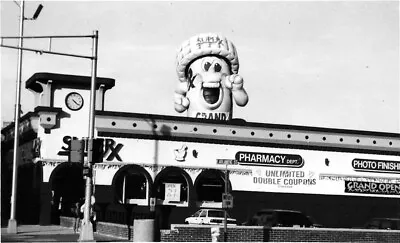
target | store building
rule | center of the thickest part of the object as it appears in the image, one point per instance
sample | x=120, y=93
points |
x=339, y=177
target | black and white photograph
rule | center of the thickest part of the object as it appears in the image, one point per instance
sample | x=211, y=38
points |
x=196, y=121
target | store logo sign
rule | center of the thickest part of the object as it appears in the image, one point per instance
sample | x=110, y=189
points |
x=180, y=154
x=111, y=148
x=269, y=159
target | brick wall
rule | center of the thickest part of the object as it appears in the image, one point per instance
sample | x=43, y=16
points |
x=181, y=233
x=334, y=235
x=117, y=230
x=202, y=233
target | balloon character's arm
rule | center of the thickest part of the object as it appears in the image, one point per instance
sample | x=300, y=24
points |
x=181, y=102
x=234, y=82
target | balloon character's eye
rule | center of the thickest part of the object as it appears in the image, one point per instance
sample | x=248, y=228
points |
x=217, y=67
x=207, y=66
x=190, y=78
x=189, y=73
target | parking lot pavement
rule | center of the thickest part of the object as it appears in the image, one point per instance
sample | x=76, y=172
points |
x=49, y=233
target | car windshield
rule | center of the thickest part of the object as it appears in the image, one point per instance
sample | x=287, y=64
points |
x=216, y=214
x=196, y=214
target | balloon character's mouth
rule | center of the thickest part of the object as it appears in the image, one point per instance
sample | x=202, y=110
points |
x=211, y=92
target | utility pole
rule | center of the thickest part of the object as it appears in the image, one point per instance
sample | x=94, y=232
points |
x=227, y=199
x=12, y=222
x=87, y=227
x=225, y=208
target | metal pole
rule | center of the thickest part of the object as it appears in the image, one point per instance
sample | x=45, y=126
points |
x=47, y=52
x=50, y=36
x=225, y=213
x=87, y=227
x=12, y=222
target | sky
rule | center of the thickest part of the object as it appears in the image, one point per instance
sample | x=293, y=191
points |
x=331, y=64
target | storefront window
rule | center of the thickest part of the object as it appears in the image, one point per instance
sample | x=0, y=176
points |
x=131, y=185
x=210, y=185
x=135, y=187
x=172, y=187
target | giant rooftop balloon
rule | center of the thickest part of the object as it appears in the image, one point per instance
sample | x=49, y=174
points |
x=207, y=66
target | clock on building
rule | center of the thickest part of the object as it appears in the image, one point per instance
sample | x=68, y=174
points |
x=74, y=101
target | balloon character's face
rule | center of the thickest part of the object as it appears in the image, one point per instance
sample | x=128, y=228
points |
x=209, y=97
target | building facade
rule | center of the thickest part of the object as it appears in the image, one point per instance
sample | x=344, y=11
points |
x=339, y=177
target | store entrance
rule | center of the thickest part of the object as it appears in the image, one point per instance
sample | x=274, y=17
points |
x=67, y=187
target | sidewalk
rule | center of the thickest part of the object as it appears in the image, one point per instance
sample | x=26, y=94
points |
x=49, y=233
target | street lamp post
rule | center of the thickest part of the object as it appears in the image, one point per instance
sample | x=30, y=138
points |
x=12, y=222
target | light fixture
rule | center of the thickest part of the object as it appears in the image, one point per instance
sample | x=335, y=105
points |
x=36, y=14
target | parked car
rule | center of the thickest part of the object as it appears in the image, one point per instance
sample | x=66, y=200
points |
x=315, y=224
x=383, y=223
x=282, y=218
x=209, y=216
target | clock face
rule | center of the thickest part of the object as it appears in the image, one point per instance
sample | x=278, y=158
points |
x=74, y=101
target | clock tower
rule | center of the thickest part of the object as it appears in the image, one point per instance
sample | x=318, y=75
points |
x=62, y=103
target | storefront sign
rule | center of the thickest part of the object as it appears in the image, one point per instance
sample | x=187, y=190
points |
x=268, y=159
x=180, y=154
x=111, y=148
x=284, y=178
x=372, y=188
x=376, y=165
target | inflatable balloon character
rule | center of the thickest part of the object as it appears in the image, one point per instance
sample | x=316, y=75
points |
x=207, y=68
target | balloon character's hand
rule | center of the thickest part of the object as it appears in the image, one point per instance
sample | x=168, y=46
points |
x=181, y=102
x=234, y=82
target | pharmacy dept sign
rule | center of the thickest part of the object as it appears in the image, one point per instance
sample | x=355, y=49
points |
x=376, y=165
x=269, y=159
